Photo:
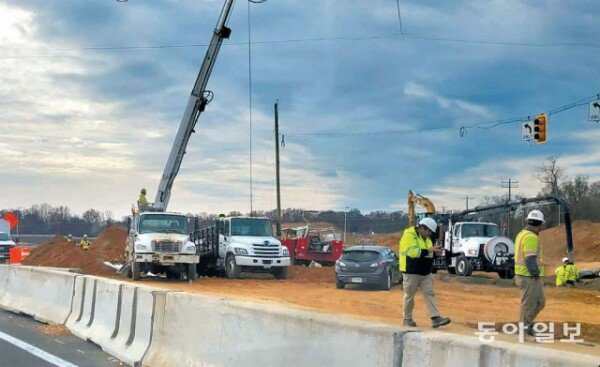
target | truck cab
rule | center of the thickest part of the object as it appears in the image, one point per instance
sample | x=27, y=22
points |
x=6, y=243
x=478, y=246
x=159, y=242
x=248, y=244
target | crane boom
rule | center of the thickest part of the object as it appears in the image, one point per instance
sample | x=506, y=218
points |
x=197, y=102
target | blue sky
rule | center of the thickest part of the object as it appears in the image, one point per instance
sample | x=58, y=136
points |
x=89, y=128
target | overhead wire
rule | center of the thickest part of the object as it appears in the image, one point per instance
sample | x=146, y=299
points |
x=462, y=128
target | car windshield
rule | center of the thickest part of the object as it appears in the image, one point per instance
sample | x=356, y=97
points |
x=4, y=236
x=480, y=230
x=251, y=227
x=360, y=256
x=163, y=223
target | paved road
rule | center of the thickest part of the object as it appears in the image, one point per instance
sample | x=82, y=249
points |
x=23, y=342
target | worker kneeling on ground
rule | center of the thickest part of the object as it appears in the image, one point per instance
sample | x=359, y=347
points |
x=416, y=261
x=85, y=243
x=529, y=268
x=567, y=274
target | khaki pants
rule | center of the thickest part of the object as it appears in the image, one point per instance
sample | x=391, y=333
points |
x=533, y=299
x=411, y=283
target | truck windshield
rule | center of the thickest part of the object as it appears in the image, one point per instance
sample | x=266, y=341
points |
x=251, y=227
x=4, y=237
x=163, y=223
x=480, y=230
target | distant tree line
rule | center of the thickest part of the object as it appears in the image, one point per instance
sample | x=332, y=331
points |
x=47, y=219
x=582, y=194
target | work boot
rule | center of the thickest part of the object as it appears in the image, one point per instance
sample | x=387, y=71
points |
x=410, y=322
x=440, y=321
x=529, y=332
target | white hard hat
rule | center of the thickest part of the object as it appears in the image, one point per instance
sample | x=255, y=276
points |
x=565, y=259
x=536, y=215
x=429, y=223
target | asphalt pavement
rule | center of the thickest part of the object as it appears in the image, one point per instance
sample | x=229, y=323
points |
x=29, y=343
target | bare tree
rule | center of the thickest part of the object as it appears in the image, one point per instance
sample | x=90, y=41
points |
x=551, y=174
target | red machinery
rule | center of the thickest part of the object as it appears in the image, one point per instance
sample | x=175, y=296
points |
x=306, y=244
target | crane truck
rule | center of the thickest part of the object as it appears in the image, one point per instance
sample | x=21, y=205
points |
x=159, y=241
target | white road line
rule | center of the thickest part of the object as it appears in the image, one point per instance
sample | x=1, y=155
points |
x=35, y=351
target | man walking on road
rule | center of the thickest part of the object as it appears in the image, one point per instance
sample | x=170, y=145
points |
x=416, y=261
x=529, y=268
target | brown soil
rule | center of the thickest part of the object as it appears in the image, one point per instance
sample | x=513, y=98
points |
x=586, y=243
x=60, y=253
x=110, y=244
x=55, y=330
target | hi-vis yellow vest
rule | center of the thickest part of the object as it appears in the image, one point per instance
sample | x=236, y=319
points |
x=411, y=245
x=528, y=243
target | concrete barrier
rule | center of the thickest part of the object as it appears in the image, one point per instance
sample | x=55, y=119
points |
x=79, y=322
x=42, y=293
x=436, y=349
x=106, y=311
x=135, y=323
x=198, y=330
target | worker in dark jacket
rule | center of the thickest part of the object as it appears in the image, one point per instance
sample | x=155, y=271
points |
x=416, y=261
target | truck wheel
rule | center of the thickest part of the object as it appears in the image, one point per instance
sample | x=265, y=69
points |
x=387, y=283
x=191, y=272
x=339, y=284
x=232, y=269
x=135, y=271
x=463, y=266
x=280, y=272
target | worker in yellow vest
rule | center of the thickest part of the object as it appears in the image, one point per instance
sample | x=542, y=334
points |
x=142, y=201
x=561, y=273
x=571, y=273
x=529, y=268
x=416, y=261
x=85, y=243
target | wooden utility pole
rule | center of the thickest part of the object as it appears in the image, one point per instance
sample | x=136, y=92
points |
x=278, y=224
x=467, y=200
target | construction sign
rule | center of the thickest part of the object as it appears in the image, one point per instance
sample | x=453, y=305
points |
x=12, y=219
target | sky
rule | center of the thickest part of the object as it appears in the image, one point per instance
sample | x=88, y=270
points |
x=89, y=106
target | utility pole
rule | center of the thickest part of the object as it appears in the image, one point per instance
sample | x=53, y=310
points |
x=278, y=224
x=510, y=184
x=467, y=200
x=345, y=221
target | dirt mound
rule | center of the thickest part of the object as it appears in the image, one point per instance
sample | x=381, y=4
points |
x=110, y=244
x=586, y=243
x=60, y=253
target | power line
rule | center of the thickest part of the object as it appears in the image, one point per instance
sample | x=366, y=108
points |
x=461, y=128
x=308, y=39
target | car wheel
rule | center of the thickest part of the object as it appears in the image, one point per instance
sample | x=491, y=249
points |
x=339, y=284
x=387, y=285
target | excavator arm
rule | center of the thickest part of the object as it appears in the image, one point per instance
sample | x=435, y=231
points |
x=413, y=200
x=197, y=102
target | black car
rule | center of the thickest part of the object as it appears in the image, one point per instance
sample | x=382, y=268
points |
x=372, y=265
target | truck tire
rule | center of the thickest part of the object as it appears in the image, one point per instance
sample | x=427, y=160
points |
x=135, y=271
x=280, y=272
x=339, y=284
x=232, y=269
x=463, y=266
x=191, y=272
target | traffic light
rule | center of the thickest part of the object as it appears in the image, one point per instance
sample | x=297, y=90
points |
x=540, y=128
